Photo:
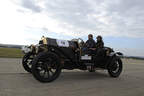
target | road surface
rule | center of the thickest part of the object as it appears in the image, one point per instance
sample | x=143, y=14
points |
x=14, y=81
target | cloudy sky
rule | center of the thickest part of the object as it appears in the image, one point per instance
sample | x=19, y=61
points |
x=120, y=22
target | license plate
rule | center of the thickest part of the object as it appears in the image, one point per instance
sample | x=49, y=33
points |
x=86, y=57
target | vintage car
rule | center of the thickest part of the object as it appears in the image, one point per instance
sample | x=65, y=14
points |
x=46, y=59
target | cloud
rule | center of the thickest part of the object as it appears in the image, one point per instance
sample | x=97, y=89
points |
x=127, y=16
x=118, y=18
x=108, y=18
x=31, y=4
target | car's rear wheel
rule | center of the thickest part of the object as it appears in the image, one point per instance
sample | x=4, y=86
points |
x=27, y=62
x=115, y=68
x=46, y=67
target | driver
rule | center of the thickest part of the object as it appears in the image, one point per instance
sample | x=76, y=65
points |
x=90, y=43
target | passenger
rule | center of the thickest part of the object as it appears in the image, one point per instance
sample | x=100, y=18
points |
x=99, y=46
x=99, y=43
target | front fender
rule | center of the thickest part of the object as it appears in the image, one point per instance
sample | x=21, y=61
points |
x=112, y=57
x=115, y=54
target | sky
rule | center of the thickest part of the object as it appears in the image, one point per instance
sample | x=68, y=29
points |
x=120, y=22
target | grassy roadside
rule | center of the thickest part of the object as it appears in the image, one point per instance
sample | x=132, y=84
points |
x=10, y=53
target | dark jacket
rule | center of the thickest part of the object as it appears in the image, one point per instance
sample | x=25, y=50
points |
x=99, y=44
x=90, y=43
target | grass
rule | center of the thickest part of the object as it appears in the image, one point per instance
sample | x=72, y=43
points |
x=11, y=53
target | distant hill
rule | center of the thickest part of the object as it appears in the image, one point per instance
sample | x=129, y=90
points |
x=11, y=46
x=134, y=57
x=20, y=46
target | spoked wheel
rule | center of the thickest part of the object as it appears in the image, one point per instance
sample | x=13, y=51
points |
x=46, y=67
x=27, y=62
x=116, y=68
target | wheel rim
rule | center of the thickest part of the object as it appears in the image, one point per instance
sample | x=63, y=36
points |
x=46, y=68
x=28, y=61
x=116, y=67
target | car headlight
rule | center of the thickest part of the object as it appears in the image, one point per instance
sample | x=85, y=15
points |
x=26, y=49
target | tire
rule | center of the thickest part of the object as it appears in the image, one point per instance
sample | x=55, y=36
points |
x=27, y=62
x=46, y=67
x=116, y=67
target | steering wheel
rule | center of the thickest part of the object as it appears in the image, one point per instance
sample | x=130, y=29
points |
x=80, y=41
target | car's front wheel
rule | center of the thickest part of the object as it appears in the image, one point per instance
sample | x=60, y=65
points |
x=27, y=62
x=116, y=67
x=46, y=67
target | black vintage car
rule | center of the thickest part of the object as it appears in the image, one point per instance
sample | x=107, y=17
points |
x=46, y=59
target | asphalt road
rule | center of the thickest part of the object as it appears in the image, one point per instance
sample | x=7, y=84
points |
x=14, y=81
